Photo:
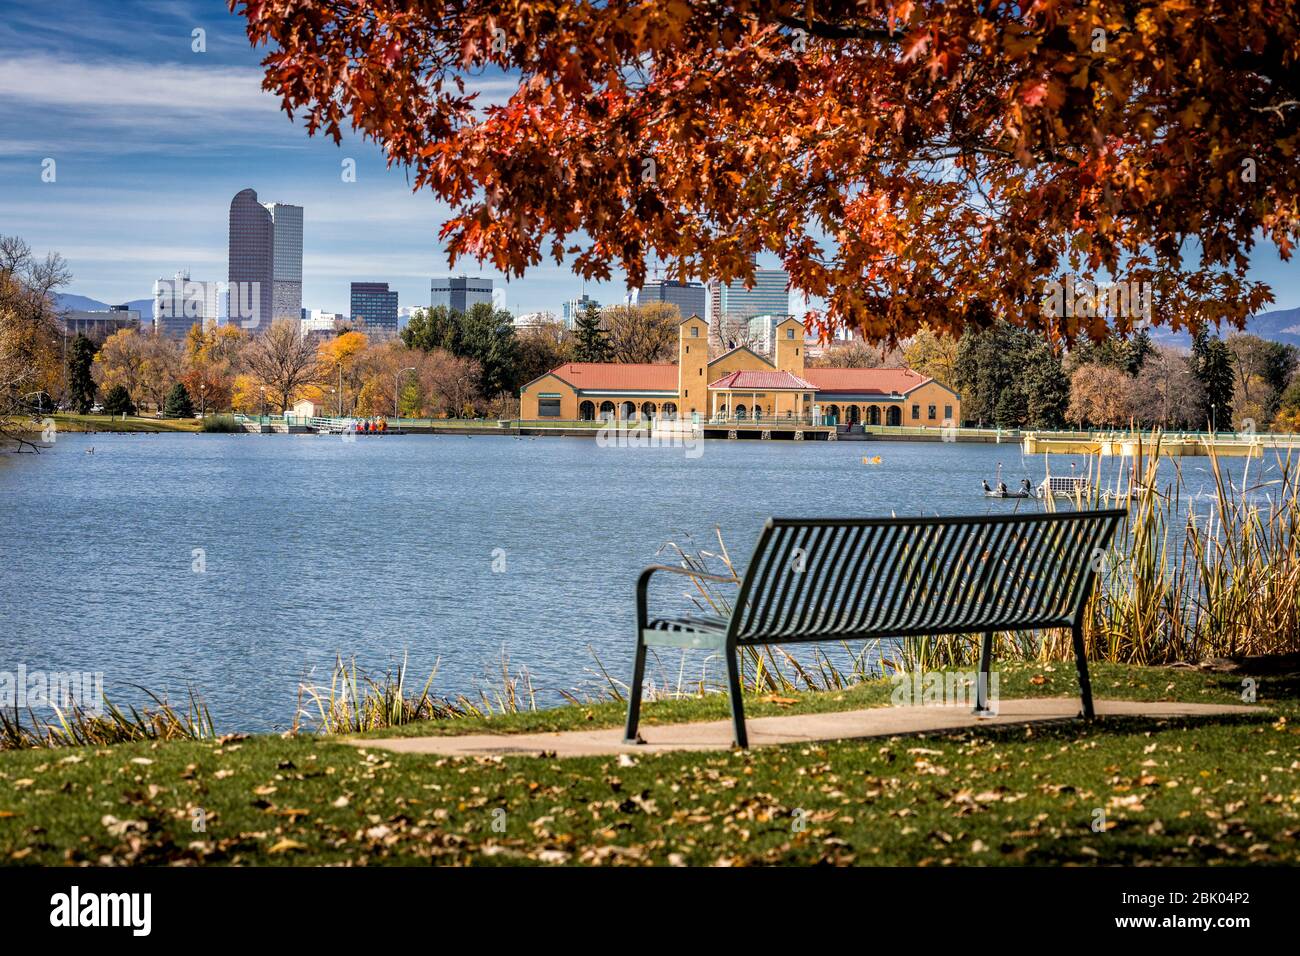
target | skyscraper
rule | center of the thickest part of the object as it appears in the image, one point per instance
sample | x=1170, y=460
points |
x=375, y=305
x=689, y=297
x=180, y=303
x=460, y=292
x=573, y=308
x=286, y=272
x=265, y=264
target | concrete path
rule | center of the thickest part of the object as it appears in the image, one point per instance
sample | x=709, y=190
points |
x=794, y=728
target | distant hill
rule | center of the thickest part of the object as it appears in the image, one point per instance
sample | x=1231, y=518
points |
x=1280, y=326
x=68, y=300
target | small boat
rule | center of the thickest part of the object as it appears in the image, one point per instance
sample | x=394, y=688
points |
x=1001, y=491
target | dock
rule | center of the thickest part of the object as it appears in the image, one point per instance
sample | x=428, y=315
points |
x=1170, y=445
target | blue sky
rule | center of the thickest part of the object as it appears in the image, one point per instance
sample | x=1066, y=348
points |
x=151, y=140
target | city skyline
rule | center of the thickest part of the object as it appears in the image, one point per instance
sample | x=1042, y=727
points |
x=98, y=98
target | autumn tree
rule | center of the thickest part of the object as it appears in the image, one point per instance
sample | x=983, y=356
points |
x=924, y=162
x=340, y=372
x=857, y=354
x=932, y=355
x=283, y=362
x=121, y=362
x=541, y=348
x=1099, y=396
x=1262, y=370
x=30, y=367
x=1165, y=393
x=645, y=333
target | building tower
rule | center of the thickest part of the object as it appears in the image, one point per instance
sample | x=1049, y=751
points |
x=693, y=368
x=789, y=355
x=251, y=262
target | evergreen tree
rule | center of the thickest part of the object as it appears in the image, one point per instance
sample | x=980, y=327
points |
x=1212, y=365
x=1046, y=387
x=593, y=340
x=81, y=386
x=178, y=403
x=118, y=401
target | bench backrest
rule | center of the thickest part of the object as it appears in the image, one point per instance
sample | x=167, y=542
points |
x=819, y=578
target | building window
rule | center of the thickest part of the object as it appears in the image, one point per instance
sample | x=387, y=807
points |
x=947, y=412
x=695, y=331
x=789, y=333
x=932, y=412
x=916, y=413
x=688, y=350
x=686, y=394
x=548, y=408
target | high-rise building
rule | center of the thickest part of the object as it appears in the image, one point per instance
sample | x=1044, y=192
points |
x=460, y=293
x=265, y=262
x=770, y=295
x=375, y=305
x=286, y=272
x=180, y=303
x=97, y=326
x=570, y=311
x=689, y=297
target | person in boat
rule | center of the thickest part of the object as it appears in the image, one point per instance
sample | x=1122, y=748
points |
x=1026, y=487
x=1002, y=487
x=987, y=489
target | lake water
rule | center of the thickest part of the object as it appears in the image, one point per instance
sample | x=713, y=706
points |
x=314, y=546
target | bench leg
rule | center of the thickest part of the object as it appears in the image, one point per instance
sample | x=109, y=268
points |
x=634, y=694
x=1085, y=685
x=982, y=678
x=737, y=705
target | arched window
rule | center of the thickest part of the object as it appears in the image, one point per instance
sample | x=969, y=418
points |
x=627, y=411
x=607, y=411
x=741, y=411
x=894, y=416
x=873, y=415
x=587, y=412
x=648, y=410
x=855, y=415
x=834, y=413
x=670, y=411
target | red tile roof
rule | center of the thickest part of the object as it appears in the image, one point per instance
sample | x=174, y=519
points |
x=616, y=377
x=762, y=381
x=882, y=381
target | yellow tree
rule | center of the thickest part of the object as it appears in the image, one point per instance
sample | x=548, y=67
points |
x=933, y=355
x=340, y=367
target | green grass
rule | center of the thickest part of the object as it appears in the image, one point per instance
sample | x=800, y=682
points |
x=132, y=423
x=1207, y=791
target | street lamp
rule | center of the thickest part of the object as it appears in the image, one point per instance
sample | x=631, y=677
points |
x=264, y=402
x=397, y=387
x=203, y=399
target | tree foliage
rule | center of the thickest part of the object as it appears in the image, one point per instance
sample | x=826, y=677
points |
x=934, y=161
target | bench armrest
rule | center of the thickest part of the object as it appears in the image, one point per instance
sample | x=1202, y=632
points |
x=643, y=582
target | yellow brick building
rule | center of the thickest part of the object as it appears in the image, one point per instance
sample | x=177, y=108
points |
x=739, y=385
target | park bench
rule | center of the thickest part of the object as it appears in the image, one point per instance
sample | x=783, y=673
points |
x=854, y=579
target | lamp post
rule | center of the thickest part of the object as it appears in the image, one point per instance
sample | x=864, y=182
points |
x=263, y=402
x=397, y=387
x=203, y=400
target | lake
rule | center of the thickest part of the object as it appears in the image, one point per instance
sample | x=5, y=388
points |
x=240, y=565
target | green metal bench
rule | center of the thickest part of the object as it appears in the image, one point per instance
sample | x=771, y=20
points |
x=880, y=578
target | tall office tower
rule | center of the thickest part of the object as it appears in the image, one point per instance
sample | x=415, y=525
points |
x=460, y=293
x=286, y=272
x=570, y=311
x=251, y=262
x=179, y=303
x=265, y=266
x=689, y=297
x=374, y=305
